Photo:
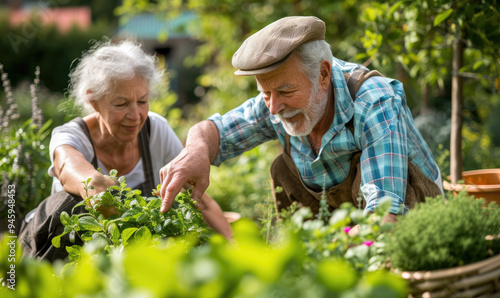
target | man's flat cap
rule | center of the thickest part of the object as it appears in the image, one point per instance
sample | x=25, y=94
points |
x=268, y=48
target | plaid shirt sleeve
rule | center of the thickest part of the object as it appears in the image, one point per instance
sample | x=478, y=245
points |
x=243, y=128
x=383, y=135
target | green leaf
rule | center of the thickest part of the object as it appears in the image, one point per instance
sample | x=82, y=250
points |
x=64, y=217
x=154, y=203
x=143, y=235
x=442, y=16
x=395, y=7
x=477, y=64
x=113, y=173
x=106, y=198
x=89, y=223
x=339, y=218
x=74, y=252
x=115, y=233
x=56, y=241
x=127, y=233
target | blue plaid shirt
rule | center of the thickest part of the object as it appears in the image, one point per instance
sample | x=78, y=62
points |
x=384, y=131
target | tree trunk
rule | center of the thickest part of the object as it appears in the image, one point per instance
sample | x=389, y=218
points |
x=426, y=95
x=457, y=103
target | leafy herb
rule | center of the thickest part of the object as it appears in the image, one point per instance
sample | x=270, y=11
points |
x=441, y=234
x=138, y=218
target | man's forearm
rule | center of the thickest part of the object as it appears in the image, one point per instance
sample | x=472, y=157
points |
x=204, y=136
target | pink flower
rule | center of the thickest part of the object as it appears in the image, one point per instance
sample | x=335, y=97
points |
x=368, y=243
x=347, y=229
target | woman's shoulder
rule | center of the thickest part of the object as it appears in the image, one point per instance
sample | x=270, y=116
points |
x=159, y=124
x=157, y=119
x=68, y=127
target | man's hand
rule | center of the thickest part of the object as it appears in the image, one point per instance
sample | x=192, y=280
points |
x=391, y=217
x=186, y=169
x=192, y=165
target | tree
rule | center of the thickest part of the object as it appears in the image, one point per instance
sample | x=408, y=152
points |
x=432, y=31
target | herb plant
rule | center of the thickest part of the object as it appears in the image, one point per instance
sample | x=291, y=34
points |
x=441, y=234
x=24, y=151
x=138, y=218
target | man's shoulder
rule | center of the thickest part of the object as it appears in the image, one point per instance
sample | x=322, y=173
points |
x=378, y=88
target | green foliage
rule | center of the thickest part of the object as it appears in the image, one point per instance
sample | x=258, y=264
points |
x=24, y=150
x=242, y=184
x=24, y=164
x=417, y=36
x=244, y=267
x=445, y=233
x=331, y=238
x=137, y=219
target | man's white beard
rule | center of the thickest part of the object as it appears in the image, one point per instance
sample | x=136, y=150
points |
x=312, y=112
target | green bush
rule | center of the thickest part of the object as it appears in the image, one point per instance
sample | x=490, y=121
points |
x=136, y=218
x=445, y=233
x=177, y=267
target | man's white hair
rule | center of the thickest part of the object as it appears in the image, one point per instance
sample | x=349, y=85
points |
x=311, y=54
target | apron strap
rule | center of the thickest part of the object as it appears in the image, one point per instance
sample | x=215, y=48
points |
x=144, y=136
x=86, y=131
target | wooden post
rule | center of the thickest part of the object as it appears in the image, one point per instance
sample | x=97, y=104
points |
x=457, y=103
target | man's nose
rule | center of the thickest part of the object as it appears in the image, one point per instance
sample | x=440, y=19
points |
x=276, y=104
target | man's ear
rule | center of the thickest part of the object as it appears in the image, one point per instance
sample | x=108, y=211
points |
x=325, y=72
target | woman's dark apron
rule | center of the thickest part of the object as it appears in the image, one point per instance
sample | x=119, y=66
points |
x=285, y=174
x=36, y=234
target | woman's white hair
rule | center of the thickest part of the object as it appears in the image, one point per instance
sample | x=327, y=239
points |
x=311, y=54
x=107, y=63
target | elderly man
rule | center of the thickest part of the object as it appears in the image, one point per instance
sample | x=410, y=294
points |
x=351, y=142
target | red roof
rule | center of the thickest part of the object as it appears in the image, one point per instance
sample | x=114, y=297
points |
x=64, y=17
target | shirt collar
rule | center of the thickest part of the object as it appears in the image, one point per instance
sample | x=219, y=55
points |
x=344, y=106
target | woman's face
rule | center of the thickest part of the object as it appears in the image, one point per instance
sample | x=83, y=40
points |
x=125, y=110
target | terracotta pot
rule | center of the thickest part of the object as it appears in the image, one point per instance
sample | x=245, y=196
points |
x=479, y=183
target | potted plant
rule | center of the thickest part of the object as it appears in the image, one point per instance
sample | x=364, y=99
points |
x=448, y=247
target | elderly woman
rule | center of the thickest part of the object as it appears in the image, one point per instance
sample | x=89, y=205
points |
x=113, y=82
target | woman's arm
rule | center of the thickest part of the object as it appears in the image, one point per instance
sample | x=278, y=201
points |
x=72, y=168
x=213, y=216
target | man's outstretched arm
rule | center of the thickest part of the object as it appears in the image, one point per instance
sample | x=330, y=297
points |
x=191, y=166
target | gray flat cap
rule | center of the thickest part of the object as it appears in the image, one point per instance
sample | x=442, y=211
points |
x=268, y=48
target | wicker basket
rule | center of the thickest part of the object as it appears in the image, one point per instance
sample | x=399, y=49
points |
x=480, y=279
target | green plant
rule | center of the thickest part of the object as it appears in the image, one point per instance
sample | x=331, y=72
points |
x=176, y=267
x=445, y=233
x=24, y=151
x=137, y=218
x=330, y=236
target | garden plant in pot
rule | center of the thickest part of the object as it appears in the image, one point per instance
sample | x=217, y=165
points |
x=448, y=248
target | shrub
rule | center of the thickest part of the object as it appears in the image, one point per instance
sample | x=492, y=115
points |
x=137, y=218
x=441, y=234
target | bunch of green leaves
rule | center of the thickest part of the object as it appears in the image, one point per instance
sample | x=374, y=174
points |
x=441, y=234
x=176, y=267
x=24, y=164
x=327, y=235
x=138, y=218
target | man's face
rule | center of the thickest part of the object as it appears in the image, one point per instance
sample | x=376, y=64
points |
x=290, y=95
